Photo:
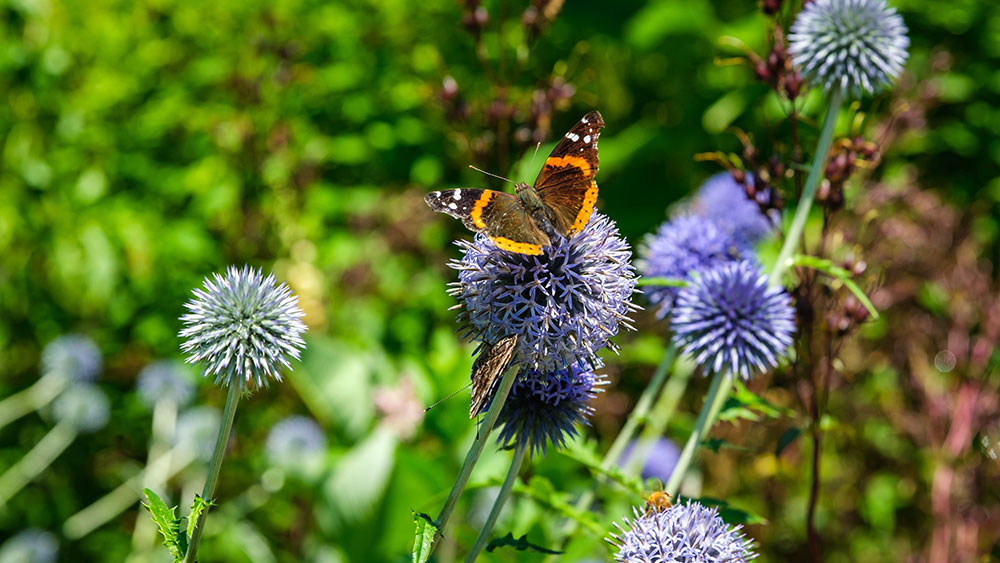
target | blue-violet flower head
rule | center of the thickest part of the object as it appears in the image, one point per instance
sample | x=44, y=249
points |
x=31, y=545
x=165, y=380
x=294, y=439
x=724, y=201
x=73, y=356
x=684, y=532
x=564, y=304
x=197, y=428
x=728, y=319
x=83, y=406
x=244, y=326
x=853, y=45
x=661, y=458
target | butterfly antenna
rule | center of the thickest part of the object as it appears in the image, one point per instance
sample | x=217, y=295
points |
x=448, y=397
x=490, y=174
x=532, y=161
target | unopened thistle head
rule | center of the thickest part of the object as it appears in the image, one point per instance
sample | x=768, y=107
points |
x=544, y=408
x=564, y=304
x=83, y=406
x=165, y=380
x=73, y=356
x=728, y=319
x=681, y=246
x=244, y=327
x=853, y=45
x=683, y=532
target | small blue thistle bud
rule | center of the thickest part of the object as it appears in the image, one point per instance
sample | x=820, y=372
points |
x=165, y=380
x=32, y=545
x=564, y=304
x=244, y=326
x=543, y=408
x=683, y=532
x=197, y=428
x=73, y=356
x=853, y=45
x=295, y=440
x=729, y=319
x=722, y=200
x=684, y=245
x=83, y=406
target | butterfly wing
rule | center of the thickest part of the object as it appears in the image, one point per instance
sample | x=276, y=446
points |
x=566, y=182
x=490, y=364
x=497, y=214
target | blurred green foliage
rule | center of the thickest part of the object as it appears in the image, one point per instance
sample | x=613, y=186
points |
x=146, y=145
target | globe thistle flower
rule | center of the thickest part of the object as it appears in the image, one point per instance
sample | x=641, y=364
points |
x=661, y=458
x=165, y=380
x=196, y=429
x=72, y=356
x=722, y=200
x=681, y=246
x=295, y=439
x=244, y=326
x=564, y=304
x=683, y=532
x=853, y=45
x=32, y=545
x=730, y=319
x=83, y=406
x=543, y=408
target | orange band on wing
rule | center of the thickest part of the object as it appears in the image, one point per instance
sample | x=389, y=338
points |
x=589, y=201
x=569, y=160
x=477, y=209
x=518, y=247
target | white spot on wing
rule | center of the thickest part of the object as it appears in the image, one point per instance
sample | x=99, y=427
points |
x=573, y=137
x=584, y=120
x=458, y=195
x=435, y=194
x=452, y=206
x=586, y=139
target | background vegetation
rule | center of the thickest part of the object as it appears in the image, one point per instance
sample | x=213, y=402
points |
x=146, y=145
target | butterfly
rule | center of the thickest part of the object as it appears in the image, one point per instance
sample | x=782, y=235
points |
x=560, y=202
x=490, y=364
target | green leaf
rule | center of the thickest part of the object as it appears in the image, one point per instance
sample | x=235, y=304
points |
x=168, y=523
x=198, y=508
x=423, y=540
x=545, y=494
x=716, y=444
x=831, y=269
x=662, y=282
x=586, y=457
x=745, y=404
x=728, y=513
x=520, y=544
x=786, y=439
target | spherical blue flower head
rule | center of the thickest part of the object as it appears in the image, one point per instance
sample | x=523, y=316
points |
x=244, y=326
x=681, y=246
x=854, y=45
x=686, y=532
x=729, y=319
x=564, y=304
x=543, y=408
x=660, y=463
x=165, y=380
x=73, y=356
x=32, y=545
x=724, y=201
x=294, y=438
x=197, y=428
x=83, y=406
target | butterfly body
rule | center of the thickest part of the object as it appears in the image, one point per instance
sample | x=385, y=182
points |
x=560, y=202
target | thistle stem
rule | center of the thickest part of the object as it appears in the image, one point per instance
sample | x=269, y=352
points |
x=228, y=414
x=508, y=484
x=792, y=238
x=660, y=416
x=496, y=405
x=36, y=460
x=718, y=391
x=33, y=398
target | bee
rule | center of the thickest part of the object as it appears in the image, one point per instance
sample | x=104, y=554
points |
x=657, y=501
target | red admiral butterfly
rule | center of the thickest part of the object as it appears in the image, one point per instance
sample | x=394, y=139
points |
x=490, y=364
x=561, y=200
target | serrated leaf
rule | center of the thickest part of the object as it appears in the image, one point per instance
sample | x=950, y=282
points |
x=168, y=523
x=786, y=439
x=831, y=269
x=520, y=544
x=198, y=508
x=423, y=539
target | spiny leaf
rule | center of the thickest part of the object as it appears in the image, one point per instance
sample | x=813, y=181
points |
x=423, y=540
x=198, y=508
x=831, y=269
x=520, y=544
x=168, y=523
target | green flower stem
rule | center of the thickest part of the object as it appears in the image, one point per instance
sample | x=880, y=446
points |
x=718, y=391
x=228, y=414
x=36, y=460
x=792, y=238
x=638, y=416
x=663, y=411
x=126, y=494
x=33, y=398
x=499, y=398
x=484, y=534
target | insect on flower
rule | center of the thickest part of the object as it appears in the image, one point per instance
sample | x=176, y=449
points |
x=657, y=501
x=490, y=364
x=560, y=202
